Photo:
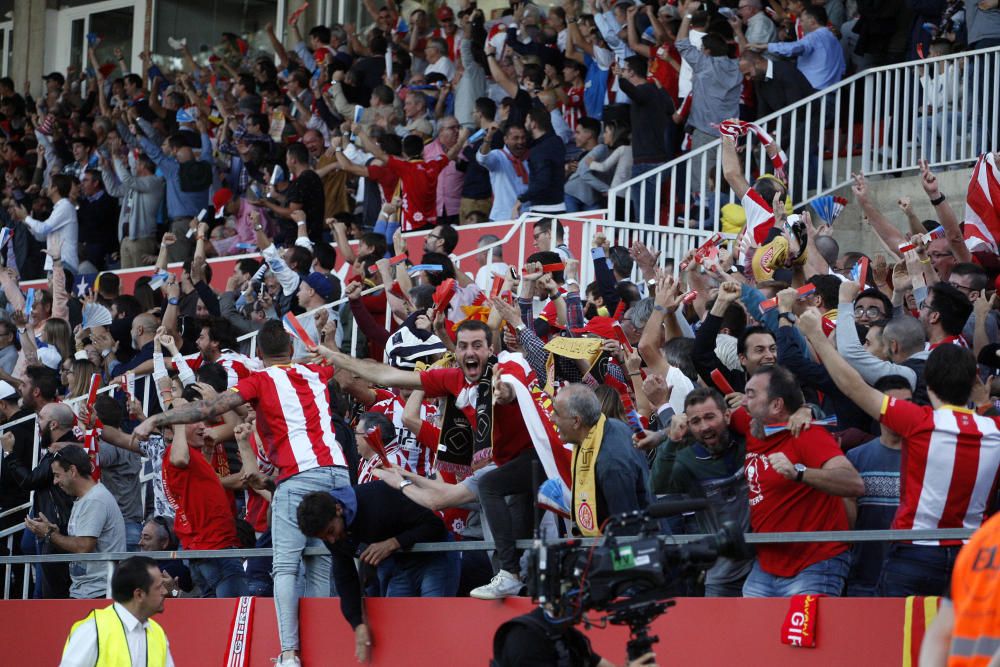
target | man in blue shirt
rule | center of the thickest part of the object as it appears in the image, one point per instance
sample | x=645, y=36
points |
x=508, y=168
x=820, y=56
x=182, y=204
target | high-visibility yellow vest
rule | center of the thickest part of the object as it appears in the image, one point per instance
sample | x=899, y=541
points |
x=112, y=646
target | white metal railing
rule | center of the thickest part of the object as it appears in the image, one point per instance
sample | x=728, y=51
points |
x=879, y=121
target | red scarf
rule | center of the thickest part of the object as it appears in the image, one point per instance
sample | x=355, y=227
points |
x=518, y=164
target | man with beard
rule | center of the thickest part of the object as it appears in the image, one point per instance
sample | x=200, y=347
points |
x=55, y=424
x=703, y=457
x=499, y=472
x=796, y=484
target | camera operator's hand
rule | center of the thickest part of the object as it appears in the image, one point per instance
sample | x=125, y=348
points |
x=647, y=660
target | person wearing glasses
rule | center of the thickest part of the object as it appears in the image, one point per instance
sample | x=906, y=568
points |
x=158, y=535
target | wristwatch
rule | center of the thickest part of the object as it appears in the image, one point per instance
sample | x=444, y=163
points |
x=788, y=316
x=800, y=469
x=405, y=483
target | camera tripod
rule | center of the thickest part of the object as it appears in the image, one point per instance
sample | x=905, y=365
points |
x=637, y=616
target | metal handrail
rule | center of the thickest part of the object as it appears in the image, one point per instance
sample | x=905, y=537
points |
x=850, y=536
x=901, y=81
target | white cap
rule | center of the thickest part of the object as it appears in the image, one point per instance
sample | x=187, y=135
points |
x=7, y=391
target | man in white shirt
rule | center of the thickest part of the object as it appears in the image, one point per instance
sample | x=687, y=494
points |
x=60, y=229
x=138, y=589
x=436, y=52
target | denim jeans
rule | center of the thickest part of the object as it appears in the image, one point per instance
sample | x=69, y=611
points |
x=424, y=575
x=289, y=542
x=912, y=569
x=133, y=531
x=823, y=578
x=259, y=569
x=220, y=577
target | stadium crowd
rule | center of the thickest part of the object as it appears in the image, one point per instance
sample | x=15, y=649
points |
x=797, y=385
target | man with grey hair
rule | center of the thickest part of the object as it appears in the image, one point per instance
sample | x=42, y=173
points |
x=904, y=338
x=490, y=261
x=610, y=476
x=759, y=26
x=436, y=53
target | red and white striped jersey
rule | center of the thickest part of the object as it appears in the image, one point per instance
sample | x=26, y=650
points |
x=293, y=416
x=392, y=452
x=950, y=340
x=949, y=466
x=419, y=459
x=238, y=366
x=573, y=108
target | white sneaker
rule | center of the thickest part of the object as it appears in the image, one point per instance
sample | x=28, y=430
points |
x=503, y=585
x=289, y=662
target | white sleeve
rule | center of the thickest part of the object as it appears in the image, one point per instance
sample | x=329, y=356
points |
x=81, y=649
x=681, y=386
x=184, y=372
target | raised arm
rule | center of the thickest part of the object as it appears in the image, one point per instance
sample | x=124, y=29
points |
x=848, y=380
x=509, y=85
x=732, y=170
x=945, y=214
x=372, y=371
x=886, y=231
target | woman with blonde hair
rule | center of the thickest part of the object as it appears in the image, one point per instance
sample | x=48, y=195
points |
x=75, y=375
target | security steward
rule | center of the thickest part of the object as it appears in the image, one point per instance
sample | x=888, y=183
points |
x=123, y=634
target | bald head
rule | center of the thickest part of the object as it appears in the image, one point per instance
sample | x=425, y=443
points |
x=144, y=329
x=60, y=413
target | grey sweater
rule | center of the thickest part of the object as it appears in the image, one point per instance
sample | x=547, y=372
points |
x=141, y=197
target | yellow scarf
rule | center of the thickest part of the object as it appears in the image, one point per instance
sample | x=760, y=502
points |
x=585, y=481
x=573, y=348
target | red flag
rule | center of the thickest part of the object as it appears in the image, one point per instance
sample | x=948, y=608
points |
x=374, y=439
x=982, y=217
x=721, y=382
x=799, y=627
x=443, y=295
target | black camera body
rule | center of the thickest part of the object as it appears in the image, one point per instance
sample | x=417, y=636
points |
x=630, y=575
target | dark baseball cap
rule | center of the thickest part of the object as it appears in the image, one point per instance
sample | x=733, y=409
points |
x=55, y=76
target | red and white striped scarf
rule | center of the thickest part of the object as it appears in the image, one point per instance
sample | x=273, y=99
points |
x=737, y=128
x=536, y=407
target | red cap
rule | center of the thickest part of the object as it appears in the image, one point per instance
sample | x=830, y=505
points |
x=548, y=315
x=604, y=327
x=444, y=12
x=221, y=197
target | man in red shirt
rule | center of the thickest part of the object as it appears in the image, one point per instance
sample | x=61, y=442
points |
x=796, y=485
x=294, y=423
x=203, y=511
x=509, y=472
x=950, y=465
x=419, y=178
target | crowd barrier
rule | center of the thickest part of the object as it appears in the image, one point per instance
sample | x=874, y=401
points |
x=418, y=632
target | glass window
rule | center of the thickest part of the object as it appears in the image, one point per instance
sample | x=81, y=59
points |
x=202, y=22
x=114, y=29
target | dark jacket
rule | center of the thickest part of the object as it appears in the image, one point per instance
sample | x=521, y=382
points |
x=380, y=512
x=547, y=166
x=705, y=359
x=50, y=500
x=650, y=114
x=11, y=493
